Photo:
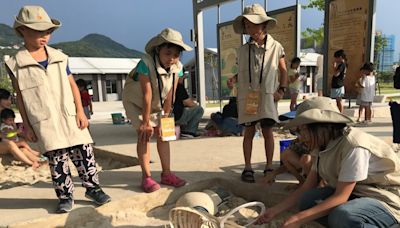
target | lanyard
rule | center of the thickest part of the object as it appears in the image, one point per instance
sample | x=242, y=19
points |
x=159, y=87
x=262, y=63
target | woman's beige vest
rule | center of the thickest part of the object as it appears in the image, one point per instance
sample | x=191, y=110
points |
x=133, y=91
x=384, y=186
x=48, y=99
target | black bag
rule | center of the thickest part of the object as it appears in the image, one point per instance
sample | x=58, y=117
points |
x=395, y=113
x=396, y=79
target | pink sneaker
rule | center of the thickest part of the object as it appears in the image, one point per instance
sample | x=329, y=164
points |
x=172, y=180
x=149, y=185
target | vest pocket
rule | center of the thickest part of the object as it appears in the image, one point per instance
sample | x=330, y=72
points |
x=34, y=102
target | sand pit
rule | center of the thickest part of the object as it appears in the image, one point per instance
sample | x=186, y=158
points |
x=14, y=173
x=151, y=210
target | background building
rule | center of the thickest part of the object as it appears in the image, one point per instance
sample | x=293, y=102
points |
x=387, y=55
x=105, y=76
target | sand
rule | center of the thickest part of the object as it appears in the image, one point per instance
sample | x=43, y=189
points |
x=15, y=173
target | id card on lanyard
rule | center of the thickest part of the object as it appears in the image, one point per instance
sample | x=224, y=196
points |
x=167, y=121
x=253, y=95
x=167, y=124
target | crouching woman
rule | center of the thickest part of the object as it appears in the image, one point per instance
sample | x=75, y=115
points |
x=361, y=171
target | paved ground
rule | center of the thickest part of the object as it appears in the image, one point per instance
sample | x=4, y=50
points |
x=193, y=159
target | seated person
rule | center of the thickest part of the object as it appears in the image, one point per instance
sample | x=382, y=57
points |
x=226, y=123
x=10, y=132
x=186, y=112
x=296, y=159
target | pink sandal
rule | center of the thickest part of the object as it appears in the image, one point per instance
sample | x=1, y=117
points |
x=172, y=180
x=149, y=185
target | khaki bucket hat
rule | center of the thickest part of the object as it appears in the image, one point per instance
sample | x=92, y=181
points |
x=318, y=110
x=167, y=35
x=255, y=14
x=36, y=18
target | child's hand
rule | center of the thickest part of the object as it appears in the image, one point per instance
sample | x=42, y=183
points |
x=81, y=120
x=145, y=132
x=268, y=179
x=269, y=214
x=30, y=135
x=278, y=95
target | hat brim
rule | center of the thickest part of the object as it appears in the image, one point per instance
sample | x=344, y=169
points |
x=255, y=19
x=287, y=116
x=158, y=40
x=318, y=116
x=37, y=26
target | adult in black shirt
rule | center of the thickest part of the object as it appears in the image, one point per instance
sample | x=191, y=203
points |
x=186, y=112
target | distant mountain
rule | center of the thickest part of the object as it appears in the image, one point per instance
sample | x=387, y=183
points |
x=96, y=45
x=92, y=45
x=8, y=36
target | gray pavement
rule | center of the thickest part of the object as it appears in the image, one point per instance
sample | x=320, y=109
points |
x=193, y=159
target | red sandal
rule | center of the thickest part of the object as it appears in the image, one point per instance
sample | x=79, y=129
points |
x=172, y=180
x=149, y=185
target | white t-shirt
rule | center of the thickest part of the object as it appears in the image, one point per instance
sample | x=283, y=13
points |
x=360, y=163
x=368, y=92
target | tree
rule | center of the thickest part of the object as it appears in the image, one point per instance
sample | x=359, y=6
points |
x=319, y=4
x=314, y=37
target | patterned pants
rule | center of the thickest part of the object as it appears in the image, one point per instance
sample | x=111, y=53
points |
x=83, y=159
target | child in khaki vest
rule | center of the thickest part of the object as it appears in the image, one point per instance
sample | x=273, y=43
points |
x=148, y=94
x=51, y=107
x=260, y=86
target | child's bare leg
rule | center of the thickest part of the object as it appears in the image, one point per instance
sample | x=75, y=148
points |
x=164, y=153
x=293, y=101
x=270, y=176
x=25, y=145
x=268, y=145
x=368, y=113
x=248, y=145
x=16, y=152
x=31, y=156
x=292, y=163
x=339, y=104
x=143, y=151
x=360, y=112
x=306, y=163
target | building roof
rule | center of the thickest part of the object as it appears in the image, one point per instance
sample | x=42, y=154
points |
x=92, y=65
x=308, y=59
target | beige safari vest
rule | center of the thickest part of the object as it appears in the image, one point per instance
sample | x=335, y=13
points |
x=132, y=95
x=270, y=78
x=384, y=186
x=48, y=99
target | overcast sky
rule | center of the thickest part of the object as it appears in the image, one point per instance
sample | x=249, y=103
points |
x=133, y=22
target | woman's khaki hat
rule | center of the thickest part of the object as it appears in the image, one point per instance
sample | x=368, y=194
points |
x=36, y=18
x=255, y=14
x=167, y=35
x=318, y=110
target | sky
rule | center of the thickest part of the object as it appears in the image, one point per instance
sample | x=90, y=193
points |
x=133, y=22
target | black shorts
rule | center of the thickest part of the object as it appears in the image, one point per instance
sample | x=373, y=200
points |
x=265, y=123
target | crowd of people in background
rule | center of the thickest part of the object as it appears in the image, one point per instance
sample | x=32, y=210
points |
x=341, y=170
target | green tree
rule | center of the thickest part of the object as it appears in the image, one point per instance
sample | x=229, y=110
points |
x=319, y=4
x=314, y=37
